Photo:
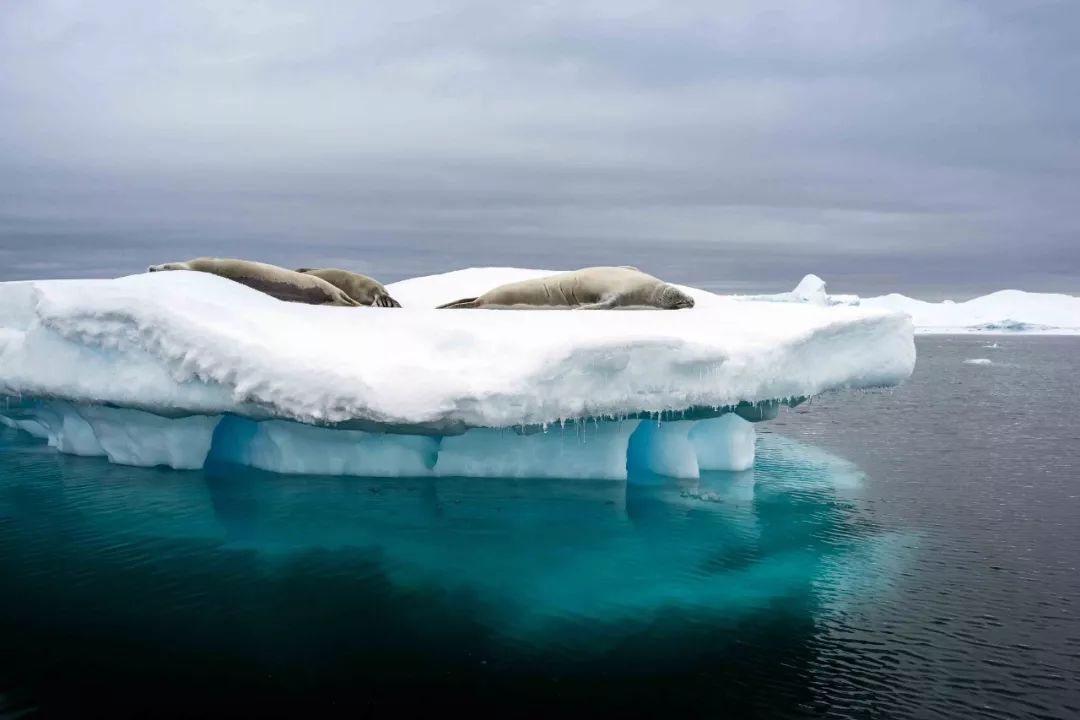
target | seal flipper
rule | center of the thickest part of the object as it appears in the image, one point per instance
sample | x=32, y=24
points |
x=459, y=304
x=345, y=300
x=605, y=304
x=384, y=300
x=338, y=303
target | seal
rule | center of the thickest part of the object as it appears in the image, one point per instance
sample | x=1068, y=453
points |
x=595, y=288
x=275, y=281
x=364, y=290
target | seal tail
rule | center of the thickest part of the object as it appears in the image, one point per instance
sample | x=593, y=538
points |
x=459, y=304
x=304, y=270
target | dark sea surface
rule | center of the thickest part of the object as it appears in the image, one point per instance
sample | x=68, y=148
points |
x=908, y=553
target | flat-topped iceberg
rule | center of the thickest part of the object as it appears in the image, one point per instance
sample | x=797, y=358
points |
x=172, y=368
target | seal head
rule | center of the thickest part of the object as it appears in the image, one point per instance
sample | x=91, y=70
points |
x=361, y=288
x=672, y=298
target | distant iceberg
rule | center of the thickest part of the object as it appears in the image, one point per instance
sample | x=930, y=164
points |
x=1005, y=311
x=811, y=289
x=177, y=368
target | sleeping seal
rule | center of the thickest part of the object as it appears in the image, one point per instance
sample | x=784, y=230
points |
x=270, y=279
x=361, y=288
x=596, y=288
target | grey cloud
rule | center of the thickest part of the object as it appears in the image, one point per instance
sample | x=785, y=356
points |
x=909, y=146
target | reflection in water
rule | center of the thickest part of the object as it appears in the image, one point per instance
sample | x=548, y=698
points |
x=319, y=581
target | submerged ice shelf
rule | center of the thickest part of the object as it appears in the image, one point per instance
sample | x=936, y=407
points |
x=175, y=368
x=726, y=545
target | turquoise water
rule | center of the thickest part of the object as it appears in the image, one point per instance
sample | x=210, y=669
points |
x=808, y=586
x=302, y=576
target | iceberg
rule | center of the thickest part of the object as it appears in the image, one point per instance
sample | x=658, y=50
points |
x=179, y=368
x=1005, y=311
x=811, y=289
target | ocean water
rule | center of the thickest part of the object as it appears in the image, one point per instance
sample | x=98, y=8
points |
x=901, y=553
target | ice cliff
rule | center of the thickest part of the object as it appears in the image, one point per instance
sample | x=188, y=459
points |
x=175, y=368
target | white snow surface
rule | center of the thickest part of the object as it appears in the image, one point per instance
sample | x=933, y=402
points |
x=186, y=343
x=1005, y=311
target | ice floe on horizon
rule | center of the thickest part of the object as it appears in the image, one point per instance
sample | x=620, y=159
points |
x=1005, y=311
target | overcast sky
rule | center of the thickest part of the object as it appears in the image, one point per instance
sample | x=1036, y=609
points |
x=929, y=147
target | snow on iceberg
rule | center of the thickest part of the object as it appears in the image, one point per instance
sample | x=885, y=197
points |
x=172, y=368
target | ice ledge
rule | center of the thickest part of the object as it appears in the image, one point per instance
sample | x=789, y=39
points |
x=597, y=450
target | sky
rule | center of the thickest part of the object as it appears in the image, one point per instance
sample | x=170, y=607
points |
x=930, y=147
